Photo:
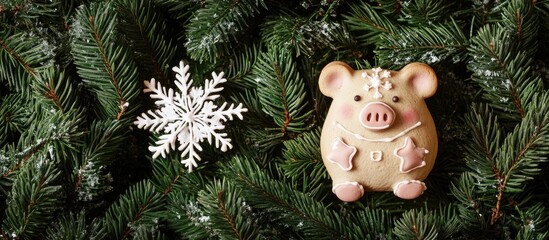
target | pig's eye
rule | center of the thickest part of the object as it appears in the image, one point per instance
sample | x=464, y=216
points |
x=395, y=99
x=357, y=98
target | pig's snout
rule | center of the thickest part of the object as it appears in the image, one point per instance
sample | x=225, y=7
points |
x=377, y=116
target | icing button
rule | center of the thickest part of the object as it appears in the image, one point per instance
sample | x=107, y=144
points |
x=376, y=156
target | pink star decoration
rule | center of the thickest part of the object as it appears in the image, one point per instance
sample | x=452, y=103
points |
x=411, y=157
x=342, y=154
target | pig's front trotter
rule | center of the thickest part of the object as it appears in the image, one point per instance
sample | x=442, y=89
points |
x=409, y=189
x=348, y=191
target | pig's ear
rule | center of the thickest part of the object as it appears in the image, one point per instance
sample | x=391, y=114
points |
x=333, y=77
x=421, y=78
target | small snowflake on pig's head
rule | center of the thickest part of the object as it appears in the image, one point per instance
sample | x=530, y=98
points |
x=188, y=117
x=378, y=79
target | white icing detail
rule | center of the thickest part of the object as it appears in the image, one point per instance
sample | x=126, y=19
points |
x=376, y=156
x=376, y=81
x=334, y=188
x=364, y=75
x=360, y=137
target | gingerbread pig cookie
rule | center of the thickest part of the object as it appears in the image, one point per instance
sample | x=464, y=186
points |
x=378, y=134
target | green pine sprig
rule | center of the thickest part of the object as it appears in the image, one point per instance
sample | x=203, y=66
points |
x=368, y=24
x=429, y=44
x=428, y=224
x=145, y=30
x=15, y=117
x=521, y=19
x=303, y=35
x=139, y=207
x=214, y=27
x=89, y=172
x=504, y=73
x=226, y=212
x=72, y=226
x=34, y=198
x=23, y=55
x=57, y=91
x=105, y=65
x=281, y=90
x=501, y=163
x=299, y=210
x=303, y=163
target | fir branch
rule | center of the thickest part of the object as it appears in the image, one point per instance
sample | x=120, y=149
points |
x=523, y=151
x=145, y=30
x=429, y=44
x=368, y=24
x=504, y=73
x=103, y=63
x=72, y=226
x=303, y=161
x=390, y=7
x=487, y=136
x=520, y=18
x=56, y=89
x=212, y=28
x=428, y=224
x=34, y=197
x=23, y=56
x=57, y=129
x=17, y=58
x=228, y=213
x=28, y=13
x=15, y=116
x=296, y=208
x=104, y=140
x=424, y=11
x=533, y=222
x=415, y=225
x=186, y=218
x=185, y=215
x=114, y=81
x=281, y=90
x=137, y=208
x=471, y=208
x=240, y=66
x=303, y=35
x=181, y=10
x=227, y=216
x=481, y=13
x=166, y=174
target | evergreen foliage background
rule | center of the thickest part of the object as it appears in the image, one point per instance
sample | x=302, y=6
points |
x=72, y=165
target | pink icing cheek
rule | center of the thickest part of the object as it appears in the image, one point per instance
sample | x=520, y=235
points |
x=410, y=116
x=346, y=112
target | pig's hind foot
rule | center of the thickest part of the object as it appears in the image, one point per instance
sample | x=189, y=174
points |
x=348, y=191
x=409, y=189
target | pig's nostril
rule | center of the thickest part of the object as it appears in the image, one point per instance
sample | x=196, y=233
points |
x=385, y=117
x=369, y=117
x=377, y=117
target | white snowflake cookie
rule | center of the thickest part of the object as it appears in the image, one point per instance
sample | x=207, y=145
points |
x=187, y=117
